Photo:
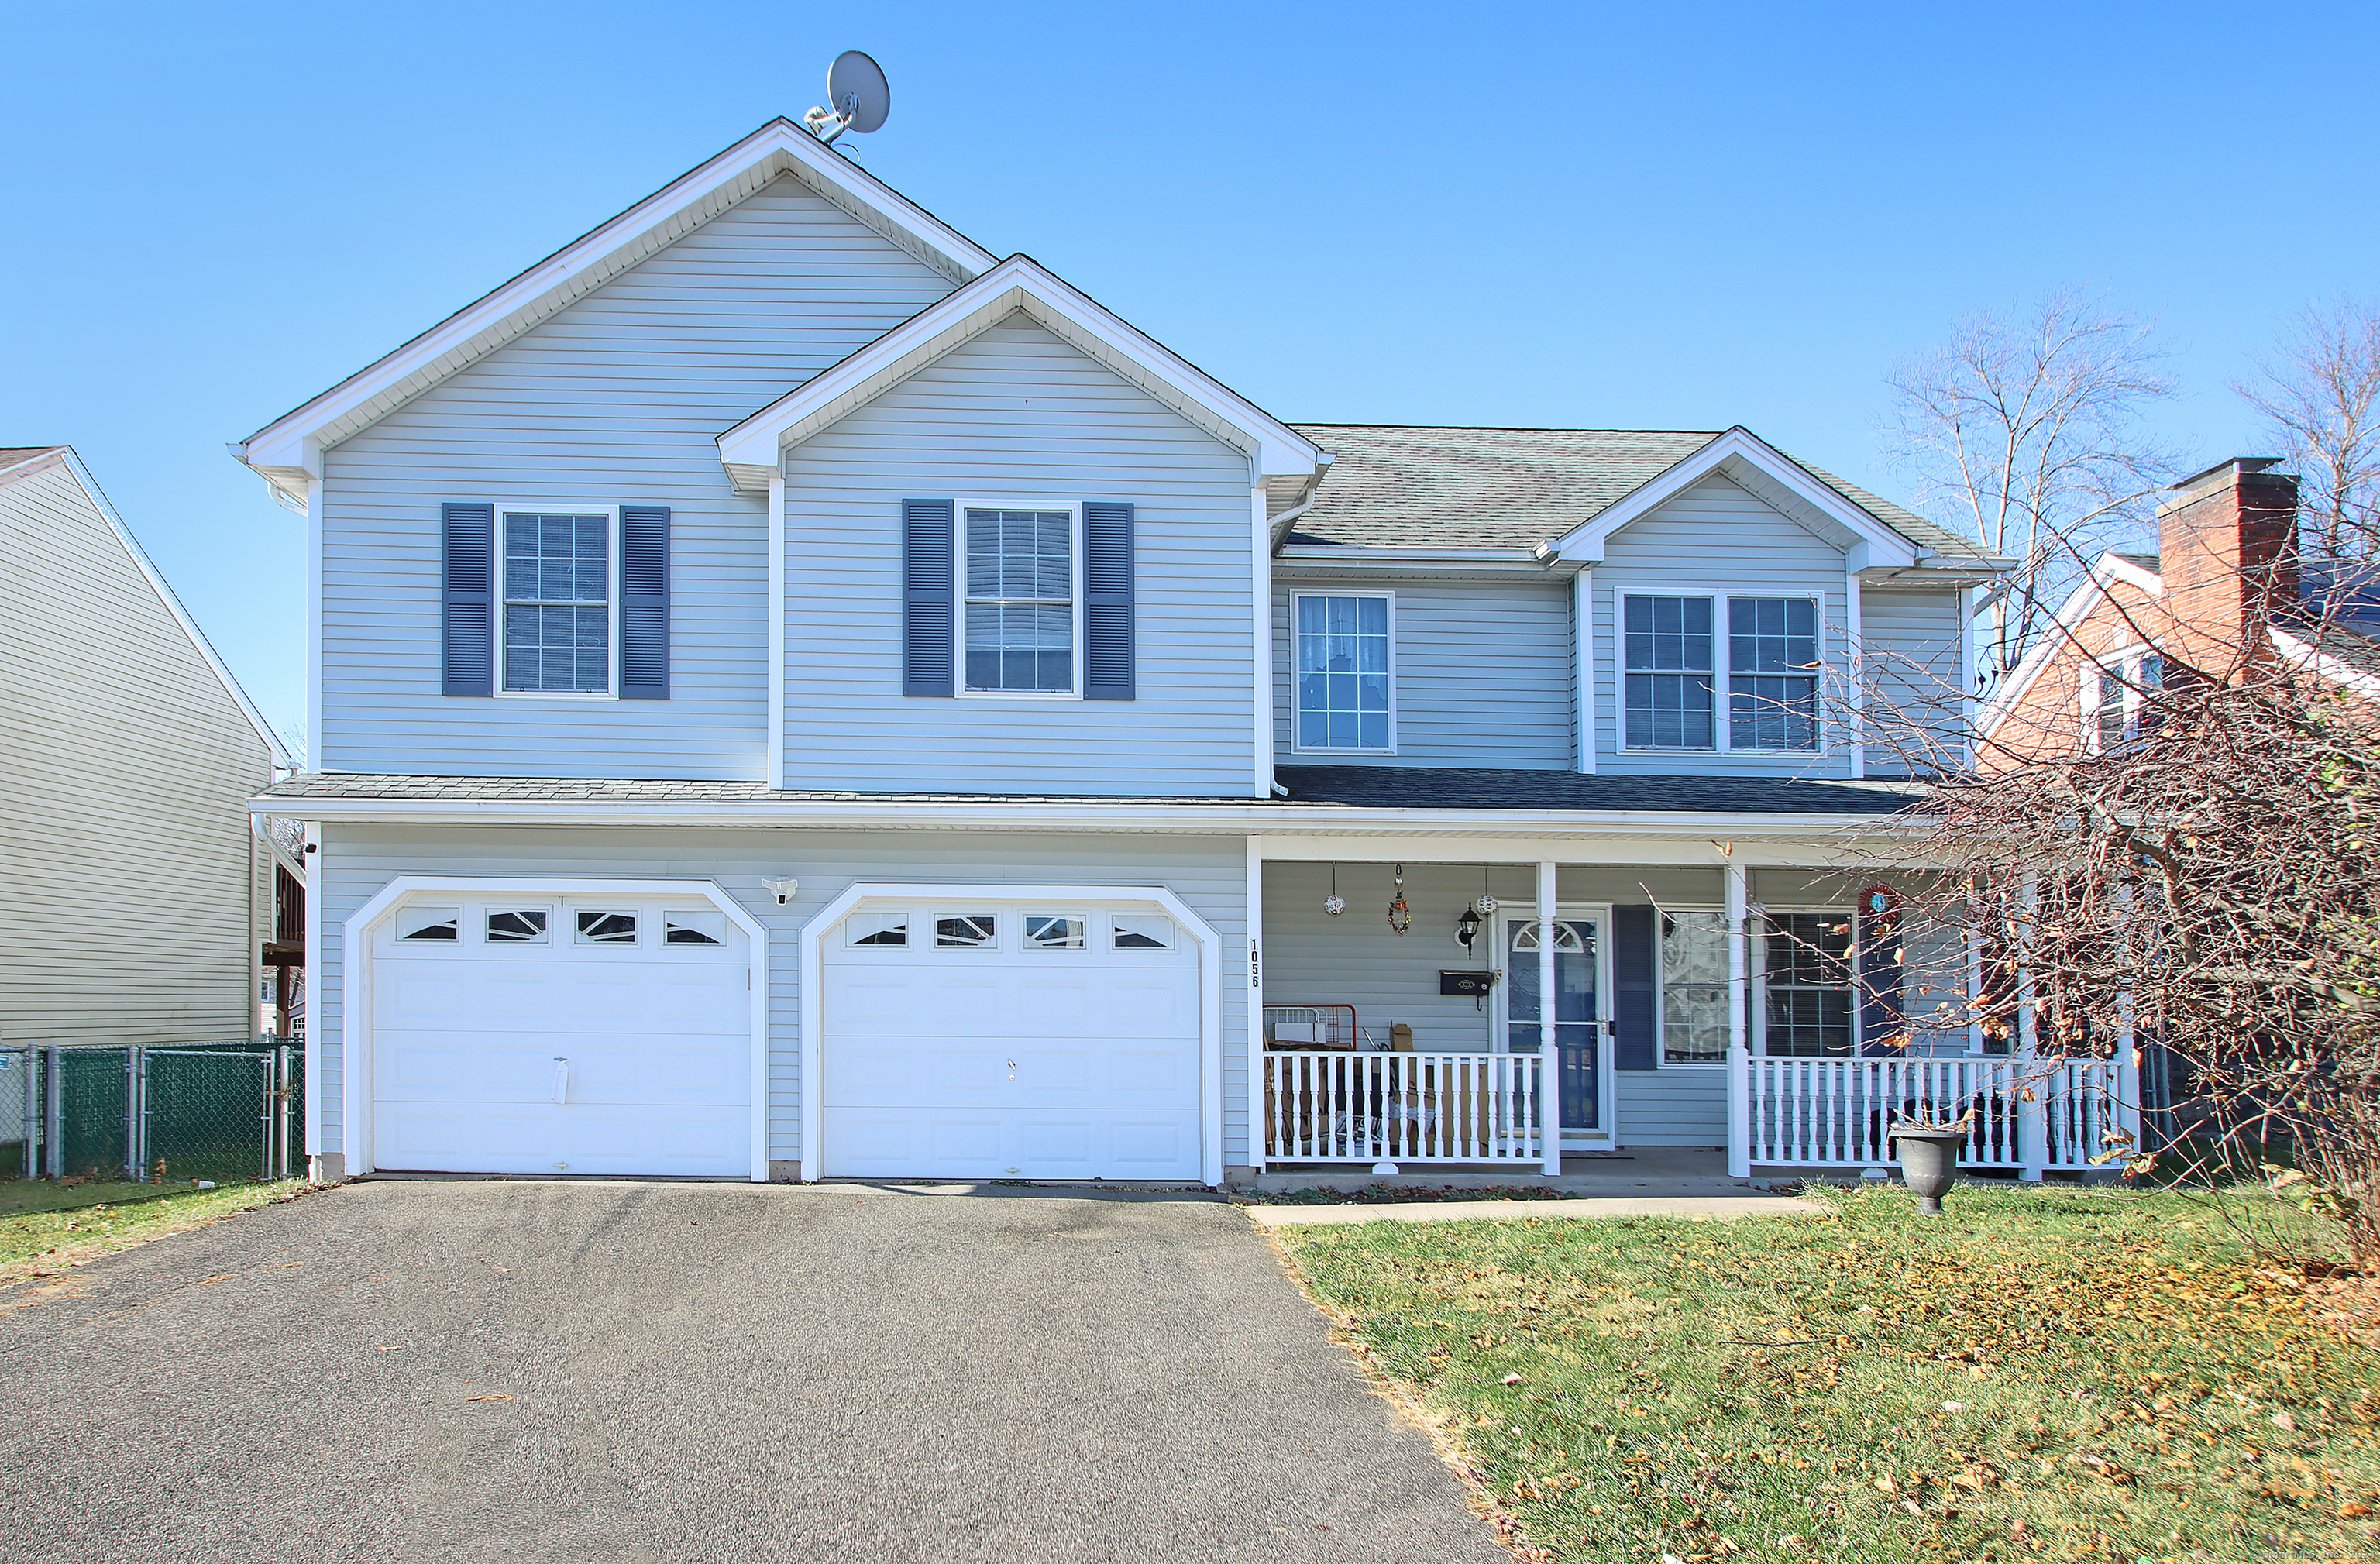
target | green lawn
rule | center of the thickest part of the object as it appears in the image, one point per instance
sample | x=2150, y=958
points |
x=44, y=1224
x=2040, y=1374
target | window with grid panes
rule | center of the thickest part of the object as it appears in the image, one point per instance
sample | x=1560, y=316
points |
x=557, y=602
x=1669, y=672
x=1807, y=985
x=1772, y=680
x=1694, y=988
x=1020, y=600
x=1343, y=672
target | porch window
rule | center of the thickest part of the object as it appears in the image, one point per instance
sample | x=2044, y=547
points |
x=1345, y=667
x=1020, y=602
x=1808, y=981
x=1694, y=988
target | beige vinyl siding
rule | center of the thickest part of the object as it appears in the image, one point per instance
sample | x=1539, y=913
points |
x=617, y=398
x=1019, y=416
x=1717, y=539
x=125, y=855
x=1911, y=646
x=1483, y=674
x=1208, y=873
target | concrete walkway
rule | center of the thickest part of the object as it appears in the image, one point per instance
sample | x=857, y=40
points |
x=1700, y=1208
x=650, y=1373
x=1647, y=1171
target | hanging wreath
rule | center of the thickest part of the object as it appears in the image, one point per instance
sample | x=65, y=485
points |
x=1400, y=912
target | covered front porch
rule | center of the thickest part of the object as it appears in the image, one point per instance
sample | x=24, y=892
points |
x=1738, y=1018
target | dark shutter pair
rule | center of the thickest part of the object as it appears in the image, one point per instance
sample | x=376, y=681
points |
x=469, y=639
x=930, y=607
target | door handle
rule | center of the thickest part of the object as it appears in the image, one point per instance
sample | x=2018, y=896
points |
x=561, y=1079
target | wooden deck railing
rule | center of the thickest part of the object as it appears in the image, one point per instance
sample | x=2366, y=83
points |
x=2027, y=1115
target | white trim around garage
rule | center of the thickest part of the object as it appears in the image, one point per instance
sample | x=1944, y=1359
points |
x=813, y=1012
x=354, y=1018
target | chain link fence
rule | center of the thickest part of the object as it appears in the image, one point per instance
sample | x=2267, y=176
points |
x=217, y=1112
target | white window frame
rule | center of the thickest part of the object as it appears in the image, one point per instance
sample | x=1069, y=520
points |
x=1299, y=748
x=1074, y=509
x=1756, y=976
x=999, y=940
x=1661, y=1059
x=610, y=514
x=1722, y=722
x=2127, y=664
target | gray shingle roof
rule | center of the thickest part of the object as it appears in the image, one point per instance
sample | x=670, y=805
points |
x=1409, y=486
x=12, y=455
x=1310, y=787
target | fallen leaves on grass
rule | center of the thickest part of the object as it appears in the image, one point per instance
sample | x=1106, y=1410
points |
x=486, y=1398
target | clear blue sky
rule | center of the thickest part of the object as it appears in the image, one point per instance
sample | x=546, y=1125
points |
x=1640, y=216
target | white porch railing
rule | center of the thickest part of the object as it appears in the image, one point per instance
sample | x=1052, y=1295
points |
x=1401, y=1108
x=2028, y=1115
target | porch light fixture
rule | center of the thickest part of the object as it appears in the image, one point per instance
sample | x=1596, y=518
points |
x=1466, y=928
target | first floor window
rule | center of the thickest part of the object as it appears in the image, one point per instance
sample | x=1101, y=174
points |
x=1677, y=683
x=557, y=602
x=1807, y=985
x=1019, y=573
x=1344, y=653
x=1694, y=988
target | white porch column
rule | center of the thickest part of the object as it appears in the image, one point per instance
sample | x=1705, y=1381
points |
x=2033, y=1081
x=1258, y=1127
x=1548, y=1043
x=1739, y=1051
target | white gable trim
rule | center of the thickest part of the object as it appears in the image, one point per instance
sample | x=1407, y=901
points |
x=64, y=456
x=2301, y=653
x=752, y=451
x=2070, y=614
x=279, y=451
x=1768, y=475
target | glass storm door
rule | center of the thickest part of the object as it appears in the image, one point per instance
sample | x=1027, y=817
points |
x=1578, y=1030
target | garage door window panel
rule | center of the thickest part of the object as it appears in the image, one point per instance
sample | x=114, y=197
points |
x=516, y=925
x=965, y=931
x=606, y=928
x=1134, y=932
x=877, y=930
x=695, y=928
x=1055, y=931
x=429, y=923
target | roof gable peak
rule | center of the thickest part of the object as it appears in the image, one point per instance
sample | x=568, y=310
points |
x=287, y=451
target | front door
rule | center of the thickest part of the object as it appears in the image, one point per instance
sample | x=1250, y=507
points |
x=1578, y=1025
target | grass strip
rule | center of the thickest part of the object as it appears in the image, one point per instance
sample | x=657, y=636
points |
x=46, y=1226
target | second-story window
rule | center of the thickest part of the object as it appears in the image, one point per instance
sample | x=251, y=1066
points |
x=1677, y=684
x=557, y=602
x=1345, y=678
x=1019, y=621
x=2125, y=706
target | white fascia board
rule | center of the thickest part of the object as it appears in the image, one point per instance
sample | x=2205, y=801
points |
x=2070, y=614
x=779, y=147
x=752, y=449
x=1317, y=562
x=1153, y=817
x=1770, y=475
x=2303, y=654
x=64, y=456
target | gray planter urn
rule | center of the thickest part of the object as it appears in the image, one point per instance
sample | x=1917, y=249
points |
x=1929, y=1164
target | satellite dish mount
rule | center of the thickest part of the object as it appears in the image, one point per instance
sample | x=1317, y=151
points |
x=857, y=99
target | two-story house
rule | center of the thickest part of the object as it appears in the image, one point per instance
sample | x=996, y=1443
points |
x=798, y=696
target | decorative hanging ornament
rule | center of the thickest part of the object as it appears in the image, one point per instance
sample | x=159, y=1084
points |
x=1334, y=904
x=1400, y=912
x=1483, y=904
x=1880, y=901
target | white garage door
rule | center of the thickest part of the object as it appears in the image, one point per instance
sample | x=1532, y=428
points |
x=981, y=1042
x=560, y=1035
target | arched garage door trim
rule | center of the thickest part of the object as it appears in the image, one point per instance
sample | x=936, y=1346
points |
x=1211, y=996
x=355, y=987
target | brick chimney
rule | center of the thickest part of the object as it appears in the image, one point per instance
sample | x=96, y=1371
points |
x=2227, y=546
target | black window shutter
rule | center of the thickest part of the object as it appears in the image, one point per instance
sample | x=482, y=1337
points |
x=1108, y=672
x=470, y=581
x=643, y=602
x=1635, y=1025
x=925, y=615
x=1881, y=1025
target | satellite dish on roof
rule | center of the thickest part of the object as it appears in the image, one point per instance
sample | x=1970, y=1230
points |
x=856, y=98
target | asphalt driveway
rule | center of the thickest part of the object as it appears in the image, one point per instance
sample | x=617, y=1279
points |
x=597, y=1372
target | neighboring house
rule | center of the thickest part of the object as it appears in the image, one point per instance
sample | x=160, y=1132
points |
x=137, y=897
x=795, y=694
x=2227, y=586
